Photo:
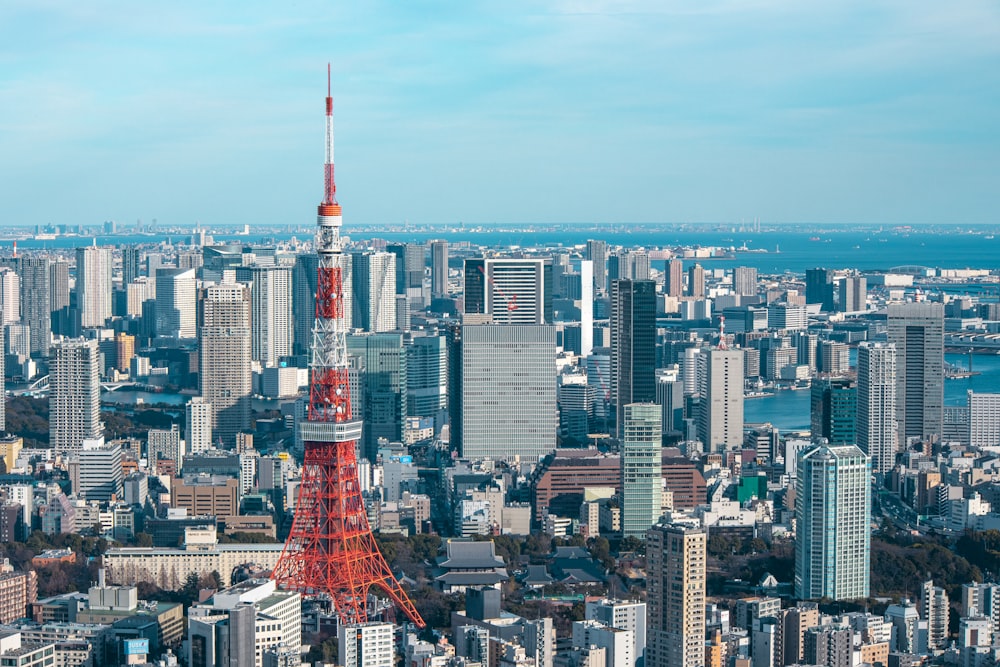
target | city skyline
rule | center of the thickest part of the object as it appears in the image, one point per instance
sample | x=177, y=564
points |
x=595, y=112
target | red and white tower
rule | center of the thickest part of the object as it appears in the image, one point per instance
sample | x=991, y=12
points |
x=330, y=550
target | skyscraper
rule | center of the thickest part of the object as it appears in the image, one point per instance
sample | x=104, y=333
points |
x=833, y=408
x=409, y=271
x=833, y=517
x=674, y=283
x=224, y=358
x=381, y=403
x=375, y=291
x=586, y=307
x=10, y=296
x=720, y=412
x=439, y=269
x=93, y=285
x=176, y=309
x=510, y=291
x=597, y=252
x=272, y=327
x=75, y=395
x=426, y=376
x=696, y=281
x=304, y=277
x=508, y=392
x=917, y=331
x=642, y=474
x=633, y=345
x=853, y=293
x=36, y=308
x=131, y=264
x=876, y=426
x=745, y=280
x=819, y=288
x=675, y=580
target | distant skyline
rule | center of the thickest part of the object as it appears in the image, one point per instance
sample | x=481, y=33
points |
x=487, y=112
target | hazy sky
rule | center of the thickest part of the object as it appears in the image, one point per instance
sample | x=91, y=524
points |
x=513, y=111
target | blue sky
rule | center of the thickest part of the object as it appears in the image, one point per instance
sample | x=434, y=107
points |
x=517, y=111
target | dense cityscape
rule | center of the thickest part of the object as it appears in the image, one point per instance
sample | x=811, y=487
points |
x=691, y=357
x=541, y=454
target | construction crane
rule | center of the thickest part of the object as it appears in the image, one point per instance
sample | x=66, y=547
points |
x=510, y=299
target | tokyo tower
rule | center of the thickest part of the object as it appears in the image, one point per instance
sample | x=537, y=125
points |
x=331, y=550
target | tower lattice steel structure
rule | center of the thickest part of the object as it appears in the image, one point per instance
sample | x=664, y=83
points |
x=331, y=550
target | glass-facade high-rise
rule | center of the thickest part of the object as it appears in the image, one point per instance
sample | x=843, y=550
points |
x=917, y=331
x=633, y=345
x=833, y=523
x=833, y=407
x=642, y=470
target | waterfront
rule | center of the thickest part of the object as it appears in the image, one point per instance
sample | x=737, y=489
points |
x=789, y=410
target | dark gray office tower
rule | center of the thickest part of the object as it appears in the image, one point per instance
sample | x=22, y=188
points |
x=833, y=408
x=439, y=269
x=917, y=331
x=633, y=345
x=409, y=267
x=58, y=285
x=131, y=264
x=819, y=288
x=304, y=279
x=597, y=252
x=382, y=360
x=36, y=308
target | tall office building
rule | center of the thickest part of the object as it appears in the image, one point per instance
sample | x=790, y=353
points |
x=439, y=269
x=833, y=408
x=633, y=345
x=745, y=280
x=508, y=392
x=720, y=412
x=674, y=282
x=597, y=252
x=853, y=293
x=224, y=358
x=696, y=281
x=93, y=285
x=426, y=376
x=272, y=327
x=58, y=285
x=409, y=271
x=366, y=645
x=381, y=401
x=374, y=291
x=36, y=310
x=176, y=303
x=629, y=265
x=876, y=426
x=917, y=331
x=675, y=580
x=198, y=422
x=74, y=395
x=96, y=471
x=833, y=517
x=304, y=276
x=819, y=288
x=642, y=474
x=10, y=296
x=131, y=264
x=510, y=291
x=586, y=307
x=3, y=382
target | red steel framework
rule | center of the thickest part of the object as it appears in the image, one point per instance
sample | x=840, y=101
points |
x=330, y=549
